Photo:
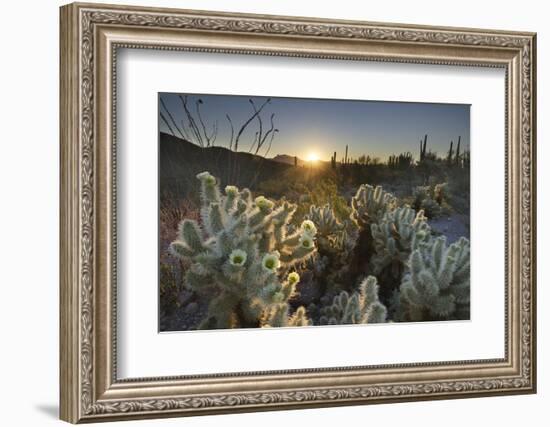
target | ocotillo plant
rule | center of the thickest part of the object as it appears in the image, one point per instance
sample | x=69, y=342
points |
x=357, y=308
x=278, y=316
x=241, y=253
x=335, y=243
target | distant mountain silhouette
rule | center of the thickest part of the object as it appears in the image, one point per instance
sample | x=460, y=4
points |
x=289, y=160
x=181, y=160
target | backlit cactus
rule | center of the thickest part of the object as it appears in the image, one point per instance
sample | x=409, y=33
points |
x=325, y=221
x=430, y=199
x=278, y=316
x=358, y=308
x=437, y=283
x=241, y=253
x=394, y=237
x=369, y=205
x=335, y=242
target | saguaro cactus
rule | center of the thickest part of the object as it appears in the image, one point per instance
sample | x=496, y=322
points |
x=423, y=147
x=359, y=307
x=241, y=253
x=437, y=284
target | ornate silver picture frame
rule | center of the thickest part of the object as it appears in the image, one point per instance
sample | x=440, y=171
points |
x=91, y=37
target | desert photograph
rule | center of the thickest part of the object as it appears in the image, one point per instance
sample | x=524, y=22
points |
x=293, y=212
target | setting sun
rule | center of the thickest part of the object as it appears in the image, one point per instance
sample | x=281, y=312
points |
x=312, y=157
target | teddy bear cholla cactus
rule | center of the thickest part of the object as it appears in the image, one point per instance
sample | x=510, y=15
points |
x=326, y=222
x=395, y=236
x=278, y=314
x=437, y=284
x=361, y=307
x=369, y=205
x=242, y=254
x=430, y=199
x=335, y=243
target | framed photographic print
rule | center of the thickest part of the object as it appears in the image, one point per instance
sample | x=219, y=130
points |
x=265, y=212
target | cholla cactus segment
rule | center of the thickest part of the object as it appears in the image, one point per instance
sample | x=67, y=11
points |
x=263, y=204
x=271, y=262
x=395, y=236
x=358, y=308
x=278, y=316
x=207, y=178
x=335, y=242
x=430, y=199
x=437, y=285
x=324, y=219
x=241, y=256
x=299, y=318
x=231, y=190
x=238, y=257
x=306, y=241
x=369, y=204
x=293, y=278
x=308, y=227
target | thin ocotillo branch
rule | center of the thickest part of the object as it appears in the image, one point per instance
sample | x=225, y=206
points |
x=167, y=124
x=245, y=125
x=210, y=139
x=171, y=119
x=232, y=132
x=271, y=132
x=191, y=120
x=184, y=131
x=259, y=134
